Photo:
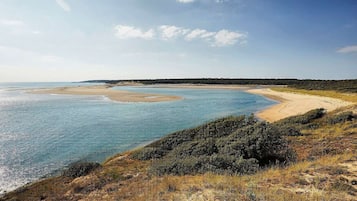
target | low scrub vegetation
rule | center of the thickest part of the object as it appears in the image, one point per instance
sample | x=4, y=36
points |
x=232, y=145
x=292, y=126
x=79, y=169
x=340, y=118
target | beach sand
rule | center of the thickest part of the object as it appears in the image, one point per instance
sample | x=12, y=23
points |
x=105, y=90
x=291, y=104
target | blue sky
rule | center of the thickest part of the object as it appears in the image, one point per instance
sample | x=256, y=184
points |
x=73, y=40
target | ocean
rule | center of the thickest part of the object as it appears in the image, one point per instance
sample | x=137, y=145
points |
x=42, y=133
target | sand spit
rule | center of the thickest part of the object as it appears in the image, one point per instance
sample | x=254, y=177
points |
x=105, y=90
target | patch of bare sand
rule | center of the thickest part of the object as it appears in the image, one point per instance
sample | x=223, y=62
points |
x=105, y=90
x=291, y=104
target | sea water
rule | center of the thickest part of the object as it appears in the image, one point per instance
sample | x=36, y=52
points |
x=42, y=133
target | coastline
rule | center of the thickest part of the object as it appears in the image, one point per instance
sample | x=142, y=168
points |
x=289, y=104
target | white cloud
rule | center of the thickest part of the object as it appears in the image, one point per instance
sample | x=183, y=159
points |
x=348, y=49
x=185, y=1
x=168, y=32
x=126, y=32
x=195, y=34
x=200, y=34
x=11, y=22
x=64, y=5
x=220, y=38
x=226, y=38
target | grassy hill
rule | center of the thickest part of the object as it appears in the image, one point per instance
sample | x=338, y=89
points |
x=306, y=157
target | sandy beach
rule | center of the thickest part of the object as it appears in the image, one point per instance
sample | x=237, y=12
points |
x=293, y=104
x=105, y=90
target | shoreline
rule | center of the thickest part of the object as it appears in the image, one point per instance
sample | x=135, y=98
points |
x=291, y=104
x=288, y=104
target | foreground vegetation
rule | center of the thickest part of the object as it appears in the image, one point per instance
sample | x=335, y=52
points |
x=306, y=157
x=231, y=146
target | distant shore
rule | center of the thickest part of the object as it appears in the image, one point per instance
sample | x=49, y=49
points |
x=289, y=103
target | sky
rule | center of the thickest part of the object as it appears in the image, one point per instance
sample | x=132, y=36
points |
x=76, y=40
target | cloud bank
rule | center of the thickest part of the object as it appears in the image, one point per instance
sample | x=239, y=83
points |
x=218, y=38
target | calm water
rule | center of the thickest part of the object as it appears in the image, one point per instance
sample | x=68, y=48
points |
x=43, y=133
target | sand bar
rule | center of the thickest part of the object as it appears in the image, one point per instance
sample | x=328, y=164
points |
x=294, y=104
x=105, y=90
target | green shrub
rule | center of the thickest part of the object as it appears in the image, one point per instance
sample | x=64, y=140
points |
x=289, y=130
x=340, y=118
x=218, y=128
x=148, y=153
x=304, y=118
x=79, y=169
x=232, y=145
x=291, y=126
x=261, y=141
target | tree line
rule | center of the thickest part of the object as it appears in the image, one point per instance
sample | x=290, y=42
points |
x=336, y=85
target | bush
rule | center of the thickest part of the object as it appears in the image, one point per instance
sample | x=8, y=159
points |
x=304, y=118
x=148, y=153
x=79, y=169
x=340, y=118
x=289, y=130
x=291, y=126
x=219, y=128
x=233, y=145
x=261, y=141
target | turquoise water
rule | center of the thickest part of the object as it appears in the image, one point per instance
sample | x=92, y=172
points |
x=42, y=133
